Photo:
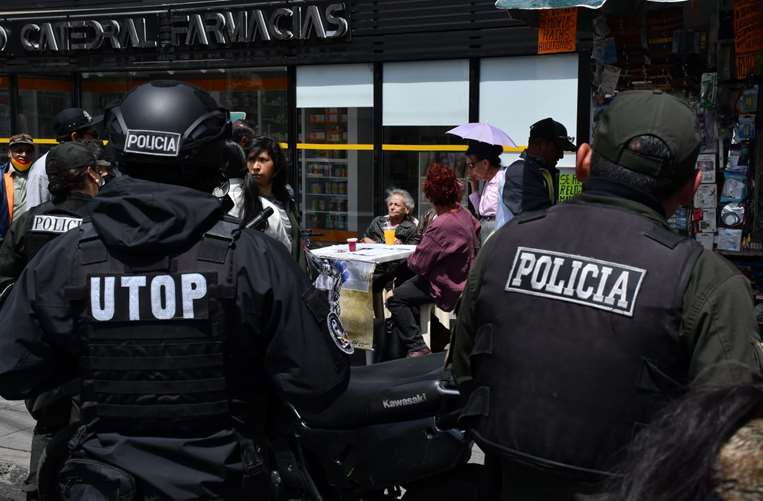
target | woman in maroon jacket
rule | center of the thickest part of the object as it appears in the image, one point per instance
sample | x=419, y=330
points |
x=441, y=261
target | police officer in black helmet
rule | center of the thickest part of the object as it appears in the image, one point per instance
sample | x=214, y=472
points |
x=180, y=325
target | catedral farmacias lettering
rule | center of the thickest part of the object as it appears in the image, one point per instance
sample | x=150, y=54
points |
x=271, y=23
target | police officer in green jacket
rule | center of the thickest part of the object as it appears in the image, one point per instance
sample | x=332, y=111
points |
x=579, y=322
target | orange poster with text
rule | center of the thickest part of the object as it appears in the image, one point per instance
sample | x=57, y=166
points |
x=748, y=36
x=557, y=31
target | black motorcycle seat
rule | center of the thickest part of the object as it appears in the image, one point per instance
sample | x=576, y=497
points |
x=398, y=390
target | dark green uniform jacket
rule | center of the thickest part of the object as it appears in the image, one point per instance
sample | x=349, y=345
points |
x=718, y=328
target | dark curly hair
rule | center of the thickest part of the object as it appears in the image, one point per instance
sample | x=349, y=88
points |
x=441, y=186
x=673, y=459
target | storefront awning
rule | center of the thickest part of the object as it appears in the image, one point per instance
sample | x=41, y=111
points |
x=560, y=4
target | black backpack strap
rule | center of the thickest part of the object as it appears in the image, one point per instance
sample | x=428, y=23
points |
x=91, y=247
x=218, y=241
x=664, y=236
x=92, y=253
x=217, y=247
x=527, y=217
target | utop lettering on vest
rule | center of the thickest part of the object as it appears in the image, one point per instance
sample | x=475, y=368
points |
x=54, y=224
x=578, y=279
x=141, y=297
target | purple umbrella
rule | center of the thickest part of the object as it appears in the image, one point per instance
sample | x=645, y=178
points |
x=485, y=133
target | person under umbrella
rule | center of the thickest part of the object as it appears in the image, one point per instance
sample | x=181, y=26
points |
x=483, y=163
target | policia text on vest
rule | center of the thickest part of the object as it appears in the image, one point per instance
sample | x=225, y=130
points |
x=583, y=280
x=54, y=224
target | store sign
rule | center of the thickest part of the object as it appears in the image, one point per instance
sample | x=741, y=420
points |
x=557, y=31
x=748, y=36
x=569, y=187
x=180, y=28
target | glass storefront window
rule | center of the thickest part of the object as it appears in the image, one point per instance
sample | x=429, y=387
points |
x=532, y=89
x=259, y=92
x=422, y=101
x=407, y=169
x=5, y=107
x=335, y=107
x=40, y=100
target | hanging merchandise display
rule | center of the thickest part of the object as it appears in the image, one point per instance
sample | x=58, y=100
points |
x=734, y=188
x=710, y=54
x=732, y=215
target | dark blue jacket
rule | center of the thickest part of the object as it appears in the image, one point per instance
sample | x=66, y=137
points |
x=527, y=188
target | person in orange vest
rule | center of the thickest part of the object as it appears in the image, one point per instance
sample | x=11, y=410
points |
x=5, y=220
x=15, y=171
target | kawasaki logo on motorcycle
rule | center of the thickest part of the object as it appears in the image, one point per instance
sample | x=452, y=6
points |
x=153, y=142
x=583, y=280
x=418, y=398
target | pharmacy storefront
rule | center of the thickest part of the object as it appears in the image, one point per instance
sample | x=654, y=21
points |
x=359, y=92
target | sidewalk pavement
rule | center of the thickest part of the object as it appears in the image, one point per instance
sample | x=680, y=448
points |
x=15, y=442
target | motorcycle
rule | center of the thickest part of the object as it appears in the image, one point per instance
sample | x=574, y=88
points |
x=392, y=434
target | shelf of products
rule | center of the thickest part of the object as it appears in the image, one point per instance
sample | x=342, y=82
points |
x=709, y=58
x=326, y=172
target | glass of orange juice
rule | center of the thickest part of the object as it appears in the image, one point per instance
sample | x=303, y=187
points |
x=389, y=235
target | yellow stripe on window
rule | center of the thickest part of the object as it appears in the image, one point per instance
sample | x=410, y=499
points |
x=6, y=140
x=348, y=147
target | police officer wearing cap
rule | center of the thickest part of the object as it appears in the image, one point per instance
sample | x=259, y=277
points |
x=579, y=322
x=181, y=326
x=74, y=181
x=532, y=182
x=70, y=124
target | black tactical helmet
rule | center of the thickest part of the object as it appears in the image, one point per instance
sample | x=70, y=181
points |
x=171, y=132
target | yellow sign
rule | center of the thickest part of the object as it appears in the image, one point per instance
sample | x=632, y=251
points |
x=557, y=31
x=569, y=187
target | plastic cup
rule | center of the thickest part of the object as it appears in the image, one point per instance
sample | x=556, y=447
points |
x=352, y=244
x=389, y=236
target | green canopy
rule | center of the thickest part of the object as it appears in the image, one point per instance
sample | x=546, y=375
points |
x=548, y=4
x=558, y=4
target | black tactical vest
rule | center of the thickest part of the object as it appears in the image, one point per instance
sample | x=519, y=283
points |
x=153, y=336
x=579, y=313
x=49, y=220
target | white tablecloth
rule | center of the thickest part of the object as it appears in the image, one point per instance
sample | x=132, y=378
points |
x=367, y=253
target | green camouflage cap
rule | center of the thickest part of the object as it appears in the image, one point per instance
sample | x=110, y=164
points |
x=646, y=113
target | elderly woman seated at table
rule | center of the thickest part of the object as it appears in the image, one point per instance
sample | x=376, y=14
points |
x=400, y=206
x=441, y=261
